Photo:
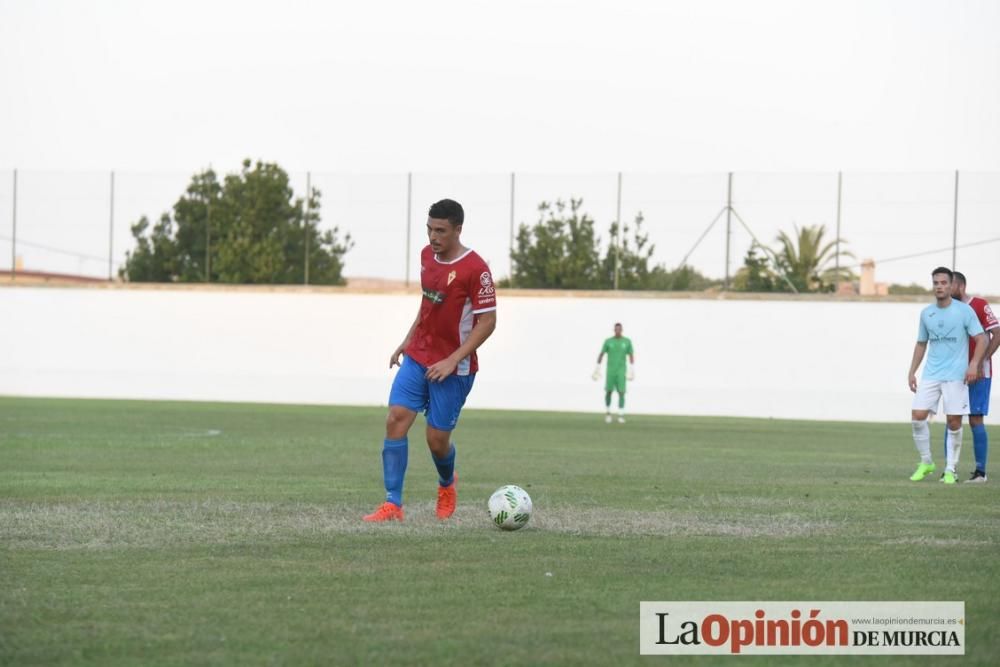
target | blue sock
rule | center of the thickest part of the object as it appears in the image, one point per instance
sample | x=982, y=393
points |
x=446, y=467
x=981, y=446
x=394, y=457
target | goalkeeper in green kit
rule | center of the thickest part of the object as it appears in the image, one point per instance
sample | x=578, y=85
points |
x=618, y=347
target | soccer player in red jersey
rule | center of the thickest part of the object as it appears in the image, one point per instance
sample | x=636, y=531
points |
x=979, y=391
x=457, y=314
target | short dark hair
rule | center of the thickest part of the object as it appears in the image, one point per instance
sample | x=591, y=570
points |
x=943, y=269
x=959, y=276
x=447, y=209
x=618, y=324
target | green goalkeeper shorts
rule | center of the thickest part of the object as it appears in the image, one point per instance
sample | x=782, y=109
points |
x=615, y=382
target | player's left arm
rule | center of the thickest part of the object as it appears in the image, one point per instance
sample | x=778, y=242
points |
x=482, y=296
x=631, y=362
x=486, y=324
x=994, y=342
x=990, y=326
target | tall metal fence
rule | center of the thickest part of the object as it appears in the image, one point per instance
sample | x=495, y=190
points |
x=79, y=222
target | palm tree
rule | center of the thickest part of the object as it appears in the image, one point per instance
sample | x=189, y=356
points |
x=809, y=263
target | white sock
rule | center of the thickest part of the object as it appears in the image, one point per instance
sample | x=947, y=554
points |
x=922, y=439
x=953, y=447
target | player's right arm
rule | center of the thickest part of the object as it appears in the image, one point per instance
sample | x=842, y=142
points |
x=918, y=355
x=604, y=348
x=394, y=359
x=918, y=352
x=597, y=369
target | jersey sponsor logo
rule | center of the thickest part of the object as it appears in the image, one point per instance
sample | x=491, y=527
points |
x=487, y=288
x=942, y=336
x=434, y=296
x=451, y=276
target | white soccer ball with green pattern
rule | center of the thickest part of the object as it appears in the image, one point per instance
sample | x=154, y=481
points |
x=510, y=507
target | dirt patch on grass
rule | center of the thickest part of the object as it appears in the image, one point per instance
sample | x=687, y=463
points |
x=148, y=524
x=950, y=542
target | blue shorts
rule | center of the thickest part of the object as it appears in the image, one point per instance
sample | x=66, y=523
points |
x=979, y=397
x=441, y=402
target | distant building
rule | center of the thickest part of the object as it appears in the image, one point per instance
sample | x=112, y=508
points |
x=20, y=275
x=867, y=285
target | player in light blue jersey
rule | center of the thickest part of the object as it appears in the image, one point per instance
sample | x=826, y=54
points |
x=946, y=327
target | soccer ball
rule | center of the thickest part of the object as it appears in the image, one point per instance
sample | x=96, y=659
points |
x=510, y=507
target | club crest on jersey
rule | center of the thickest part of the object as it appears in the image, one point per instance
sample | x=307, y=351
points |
x=451, y=276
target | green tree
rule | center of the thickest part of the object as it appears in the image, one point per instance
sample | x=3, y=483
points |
x=559, y=251
x=808, y=262
x=250, y=228
x=192, y=215
x=633, y=257
x=562, y=251
x=911, y=289
x=153, y=259
x=682, y=279
x=756, y=275
x=636, y=270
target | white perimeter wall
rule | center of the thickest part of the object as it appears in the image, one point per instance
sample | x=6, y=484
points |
x=789, y=359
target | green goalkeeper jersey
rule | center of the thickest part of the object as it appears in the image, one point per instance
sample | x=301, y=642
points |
x=617, y=350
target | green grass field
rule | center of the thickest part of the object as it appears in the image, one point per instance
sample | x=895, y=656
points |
x=190, y=533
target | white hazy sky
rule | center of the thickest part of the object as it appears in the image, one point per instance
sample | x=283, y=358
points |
x=475, y=86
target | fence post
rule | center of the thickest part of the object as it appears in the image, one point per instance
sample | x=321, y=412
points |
x=836, y=258
x=729, y=226
x=208, y=236
x=618, y=233
x=307, y=228
x=409, y=214
x=13, y=238
x=510, y=248
x=954, y=231
x=111, y=226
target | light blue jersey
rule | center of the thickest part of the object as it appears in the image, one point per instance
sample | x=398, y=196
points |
x=948, y=331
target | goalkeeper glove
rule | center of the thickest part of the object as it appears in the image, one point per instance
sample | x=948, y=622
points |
x=597, y=373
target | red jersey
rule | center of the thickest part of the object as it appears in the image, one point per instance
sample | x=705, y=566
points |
x=455, y=293
x=989, y=321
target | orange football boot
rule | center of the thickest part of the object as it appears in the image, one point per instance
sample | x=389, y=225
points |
x=447, y=499
x=386, y=512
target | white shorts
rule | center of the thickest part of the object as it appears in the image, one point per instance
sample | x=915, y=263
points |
x=954, y=393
